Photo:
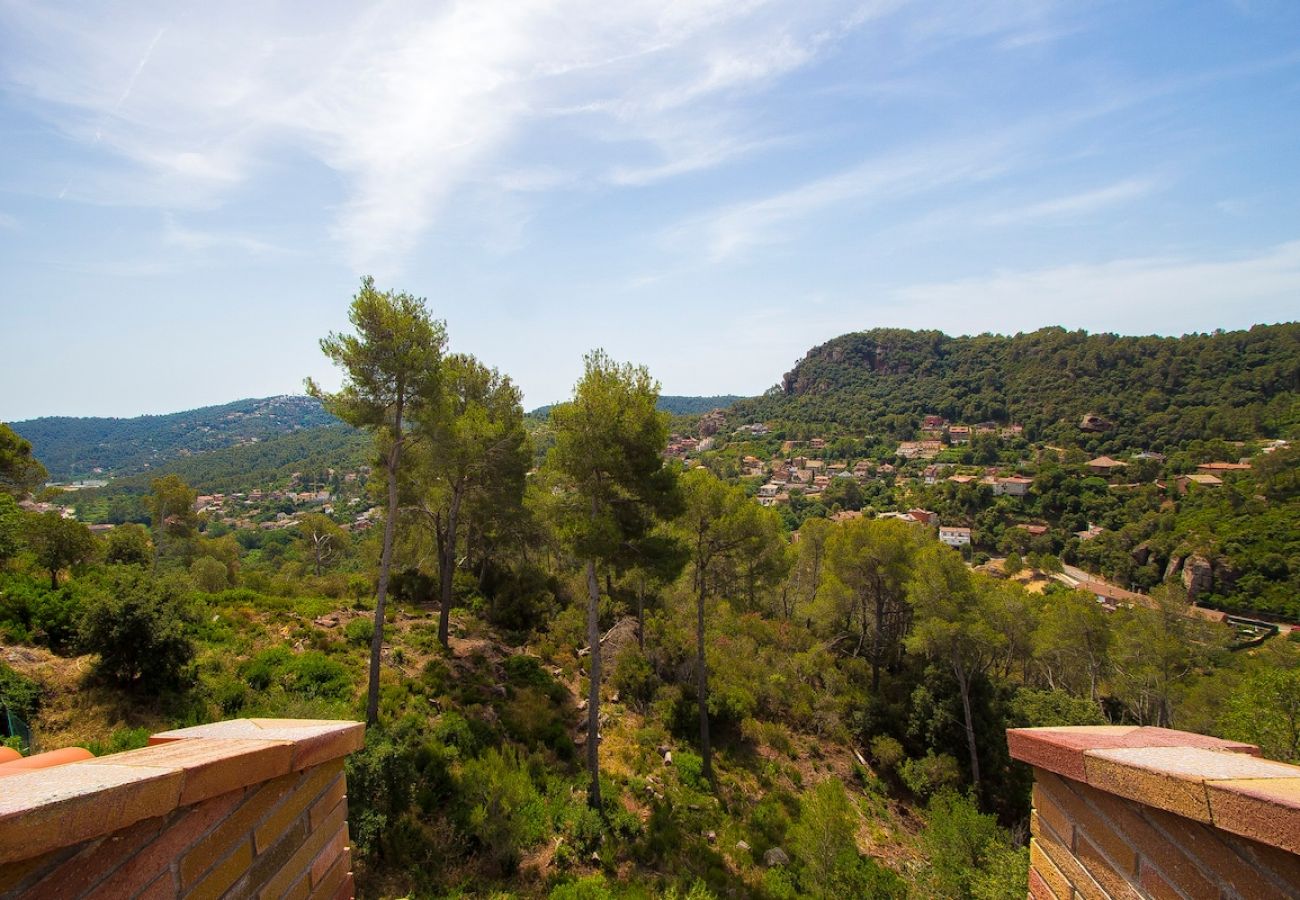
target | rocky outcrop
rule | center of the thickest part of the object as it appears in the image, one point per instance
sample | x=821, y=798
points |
x=1091, y=422
x=1198, y=576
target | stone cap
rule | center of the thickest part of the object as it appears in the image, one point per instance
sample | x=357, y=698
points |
x=1217, y=782
x=56, y=807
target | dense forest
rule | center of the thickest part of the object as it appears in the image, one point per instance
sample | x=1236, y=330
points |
x=92, y=447
x=1156, y=392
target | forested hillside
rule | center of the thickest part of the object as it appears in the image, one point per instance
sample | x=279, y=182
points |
x=79, y=447
x=1152, y=391
x=676, y=406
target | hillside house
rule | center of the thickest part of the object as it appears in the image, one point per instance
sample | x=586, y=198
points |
x=1218, y=468
x=924, y=516
x=954, y=535
x=1034, y=529
x=1012, y=486
x=817, y=444
x=958, y=434
x=933, y=422
x=1104, y=466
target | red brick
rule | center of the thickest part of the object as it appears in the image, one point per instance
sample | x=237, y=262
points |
x=346, y=890
x=98, y=861
x=331, y=881
x=1039, y=890
x=180, y=831
x=161, y=888
x=309, y=788
x=1218, y=858
x=331, y=854
x=13, y=874
x=1071, y=802
x=300, y=862
x=1070, y=868
x=325, y=805
x=1116, y=885
x=1158, y=888
x=224, y=874
x=258, y=802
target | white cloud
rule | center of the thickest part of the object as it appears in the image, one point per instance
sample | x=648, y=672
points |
x=409, y=101
x=406, y=102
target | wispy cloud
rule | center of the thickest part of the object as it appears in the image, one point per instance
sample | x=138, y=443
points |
x=739, y=227
x=176, y=235
x=1076, y=204
x=8, y=222
x=410, y=103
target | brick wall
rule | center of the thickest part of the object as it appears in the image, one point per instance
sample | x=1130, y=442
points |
x=1128, y=812
x=245, y=808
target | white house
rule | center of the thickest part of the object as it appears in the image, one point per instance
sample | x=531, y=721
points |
x=954, y=535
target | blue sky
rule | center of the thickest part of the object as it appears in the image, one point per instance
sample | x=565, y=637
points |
x=189, y=192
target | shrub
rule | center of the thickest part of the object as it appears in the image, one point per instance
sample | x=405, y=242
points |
x=966, y=846
x=315, y=675
x=887, y=753
x=210, y=575
x=634, y=678
x=504, y=812
x=690, y=769
x=930, y=774
x=20, y=694
x=138, y=625
x=359, y=631
x=592, y=887
x=55, y=616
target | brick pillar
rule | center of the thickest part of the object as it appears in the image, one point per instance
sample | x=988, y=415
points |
x=244, y=808
x=1130, y=812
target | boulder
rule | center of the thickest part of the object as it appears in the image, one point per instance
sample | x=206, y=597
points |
x=742, y=846
x=776, y=857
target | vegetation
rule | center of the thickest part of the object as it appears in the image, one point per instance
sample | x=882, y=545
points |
x=78, y=447
x=617, y=675
x=1152, y=391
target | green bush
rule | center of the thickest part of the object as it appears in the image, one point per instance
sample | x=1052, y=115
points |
x=56, y=615
x=635, y=679
x=930, y=774
x=592, y=887
x=138, y=625
x=20, y=694
x=690, y=769
x=503, y=810
x=887, y=753
x=360, y=631
x=315, y=675
x=966, y=848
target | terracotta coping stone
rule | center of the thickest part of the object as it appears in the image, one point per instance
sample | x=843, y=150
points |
x=43, y=809
x=1220, y=783
x=314, y=740
x=1061, y=750
x=9, y=754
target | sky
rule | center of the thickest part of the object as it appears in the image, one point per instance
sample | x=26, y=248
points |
x=190, y=192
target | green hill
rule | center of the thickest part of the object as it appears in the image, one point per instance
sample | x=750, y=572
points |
x=677, y=406
x=78, y=447
x=1152, y=391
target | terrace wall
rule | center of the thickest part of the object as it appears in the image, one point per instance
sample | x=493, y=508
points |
x=1129, y=812
x=244, y=808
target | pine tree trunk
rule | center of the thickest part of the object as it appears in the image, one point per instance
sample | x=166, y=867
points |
x=446, y=570
x=593, y=691
x=702, y=682
x=963, y=685
x=385, y=564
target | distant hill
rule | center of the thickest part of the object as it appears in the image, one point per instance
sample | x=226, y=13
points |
x=1150, y=391
x=677, y=406
x=77, y=447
